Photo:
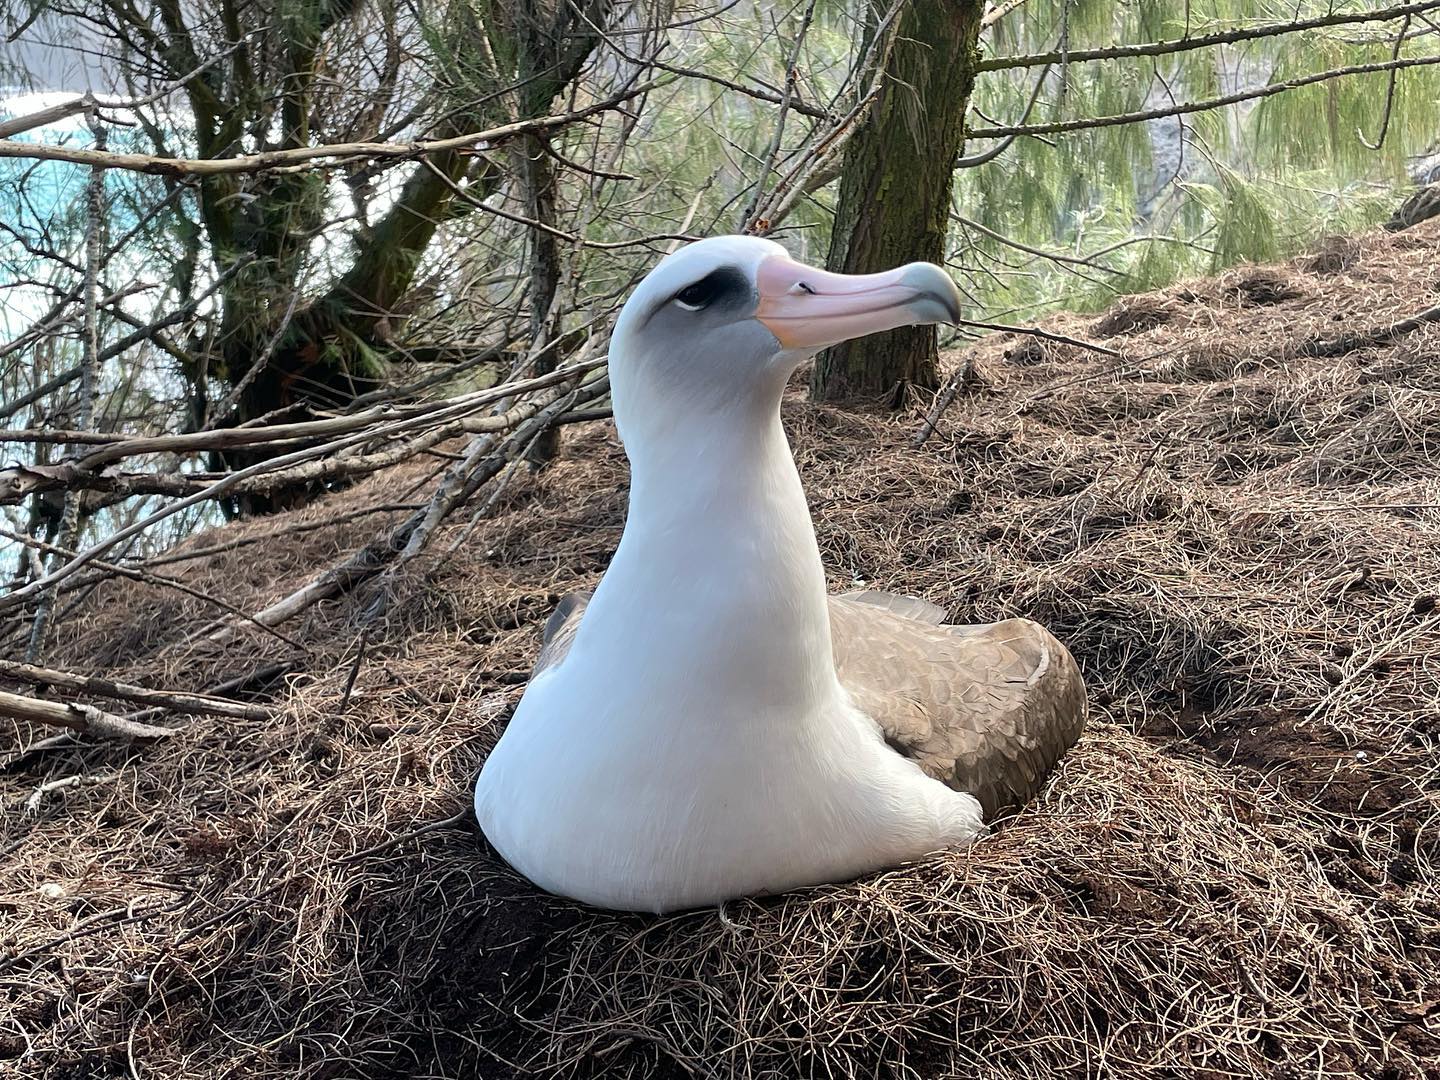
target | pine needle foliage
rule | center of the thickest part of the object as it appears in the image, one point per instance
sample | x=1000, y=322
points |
x=1203, y=191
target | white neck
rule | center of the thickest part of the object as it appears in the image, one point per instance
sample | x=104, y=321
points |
x=717, y=581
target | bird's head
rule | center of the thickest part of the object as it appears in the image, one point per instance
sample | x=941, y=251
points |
x=724, y=321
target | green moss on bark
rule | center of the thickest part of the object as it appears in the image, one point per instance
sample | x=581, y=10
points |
x=894, y=203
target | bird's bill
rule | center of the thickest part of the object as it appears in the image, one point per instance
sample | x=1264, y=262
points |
x=809, y=308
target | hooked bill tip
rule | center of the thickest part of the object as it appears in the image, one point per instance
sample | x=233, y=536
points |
x=935, y=284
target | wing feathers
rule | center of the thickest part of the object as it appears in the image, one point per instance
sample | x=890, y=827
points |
x=988, y=709
x=909, y=607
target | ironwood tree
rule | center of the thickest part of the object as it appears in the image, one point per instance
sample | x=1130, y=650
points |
x=1112, y=148
x=894, y=200
x=304, y=324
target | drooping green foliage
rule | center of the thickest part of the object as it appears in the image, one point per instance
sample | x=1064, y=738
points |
x=1152, y=202
x=1252, y=181
x=1146, y=203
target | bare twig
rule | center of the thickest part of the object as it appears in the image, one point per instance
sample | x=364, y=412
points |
x=76, y=717
x=767, y=161
x=435, y=422
x=364, y=564
x=519, y=219
x=98, y=687
x=998, y=12
x=227, y=404
x=312, y=157
x=129, y=341
x=89, y=103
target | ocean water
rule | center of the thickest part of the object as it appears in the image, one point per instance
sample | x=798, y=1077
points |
x=45, y=200
x=36, y=197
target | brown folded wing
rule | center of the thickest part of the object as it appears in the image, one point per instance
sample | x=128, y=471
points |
x=987, y=709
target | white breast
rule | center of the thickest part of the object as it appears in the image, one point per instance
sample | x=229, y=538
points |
x=695, y=743
x=652, y=799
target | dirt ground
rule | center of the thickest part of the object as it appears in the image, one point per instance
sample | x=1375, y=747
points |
x=1235, y=526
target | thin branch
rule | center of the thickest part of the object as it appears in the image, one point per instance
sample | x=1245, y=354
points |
x=259, y=364
x=1032, y=331
x=312, y=157
x=1205, y=41
x=1085, y=261
x=1389, y=94
x=145, y=577
x=998, y=12
x=232, y=438
x=995, y=151
x=797, y=104
x=129, y=341
x=1200, y=106
x=175, y=700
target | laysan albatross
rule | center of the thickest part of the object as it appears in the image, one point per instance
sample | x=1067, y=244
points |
x=710, y=724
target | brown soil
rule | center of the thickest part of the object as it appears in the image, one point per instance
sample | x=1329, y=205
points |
x=1233, y=874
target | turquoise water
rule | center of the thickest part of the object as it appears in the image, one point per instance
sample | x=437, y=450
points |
x=41, y=200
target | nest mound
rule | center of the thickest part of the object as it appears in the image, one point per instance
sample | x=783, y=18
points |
x=1232, y=875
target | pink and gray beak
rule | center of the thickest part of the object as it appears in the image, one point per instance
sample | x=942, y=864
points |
x=807, y=308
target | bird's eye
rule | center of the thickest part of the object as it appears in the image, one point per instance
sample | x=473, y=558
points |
x=696, y=296
x=722, y=287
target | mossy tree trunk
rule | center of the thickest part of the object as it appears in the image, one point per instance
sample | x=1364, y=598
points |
x=497, y=61
x=894, y=201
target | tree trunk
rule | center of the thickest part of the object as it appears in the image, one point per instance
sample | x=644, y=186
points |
x=335, y=348
x=537, y=184
x=894, y=202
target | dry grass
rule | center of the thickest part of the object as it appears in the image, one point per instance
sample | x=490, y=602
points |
x=1233, y=875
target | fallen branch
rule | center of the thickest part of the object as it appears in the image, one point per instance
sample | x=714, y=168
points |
x=1347, y=343
x=21, y=481
x=251, y=681
x=405, y=539
x=99, y=687
x=961, y=377
x=231, y=481
x=77, y=717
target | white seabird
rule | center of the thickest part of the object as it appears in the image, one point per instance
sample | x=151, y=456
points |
x=710, y=724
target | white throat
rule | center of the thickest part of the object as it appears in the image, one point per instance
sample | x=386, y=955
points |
x=718, y=577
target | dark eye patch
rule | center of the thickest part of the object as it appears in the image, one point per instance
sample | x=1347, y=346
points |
x=718, y=285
